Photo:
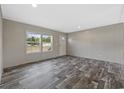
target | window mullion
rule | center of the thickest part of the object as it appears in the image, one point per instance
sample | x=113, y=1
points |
x=41, y=44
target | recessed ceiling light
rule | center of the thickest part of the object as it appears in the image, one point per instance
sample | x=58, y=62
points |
x=34, y=5
x=79, y=26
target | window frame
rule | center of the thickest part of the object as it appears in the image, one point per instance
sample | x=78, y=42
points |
x=41, y=43
x=51, y=43
x=26, y=42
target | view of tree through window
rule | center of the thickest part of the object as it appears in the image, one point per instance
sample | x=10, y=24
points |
x=34, y=42
x=47, y=42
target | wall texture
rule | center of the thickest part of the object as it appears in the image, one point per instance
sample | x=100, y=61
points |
x=103, y=43
x=0, y=44
x=14, y=42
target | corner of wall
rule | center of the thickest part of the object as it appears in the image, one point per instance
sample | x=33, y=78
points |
x=1, y=58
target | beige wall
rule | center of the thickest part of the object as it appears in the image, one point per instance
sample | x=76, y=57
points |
x=0, y=44
x=103, y=43
x=14, y=37
x=62, y=40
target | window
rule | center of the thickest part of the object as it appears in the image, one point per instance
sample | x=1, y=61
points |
x=37, y=42
x=33, y=42
x=47, y=43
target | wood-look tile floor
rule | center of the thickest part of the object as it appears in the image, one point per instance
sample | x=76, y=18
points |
x=65, y=73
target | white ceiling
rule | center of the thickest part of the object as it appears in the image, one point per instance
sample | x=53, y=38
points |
x=67, y=17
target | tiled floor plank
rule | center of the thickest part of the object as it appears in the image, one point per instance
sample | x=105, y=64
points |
x=65, y=72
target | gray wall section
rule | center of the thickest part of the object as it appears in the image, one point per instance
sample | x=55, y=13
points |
x=103, y=43
x=14, y=38
x=0, y=43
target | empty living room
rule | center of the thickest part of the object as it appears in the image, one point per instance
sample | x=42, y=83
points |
x=61, y=46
